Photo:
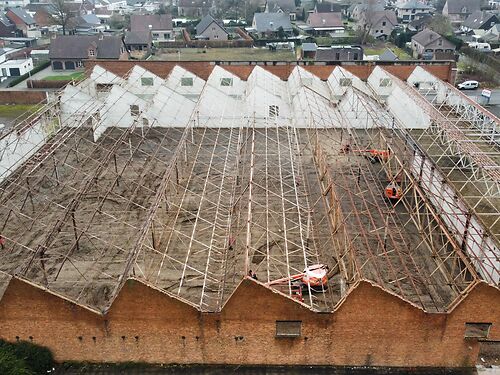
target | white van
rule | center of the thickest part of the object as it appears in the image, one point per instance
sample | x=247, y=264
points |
x=468, y=85
x=480, y=46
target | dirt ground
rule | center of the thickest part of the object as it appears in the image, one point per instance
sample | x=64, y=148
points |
x=74, y=220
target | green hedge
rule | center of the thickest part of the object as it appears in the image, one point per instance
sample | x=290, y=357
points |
x=24, y=358
x=27, y=75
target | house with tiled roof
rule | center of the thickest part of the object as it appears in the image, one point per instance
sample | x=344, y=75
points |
x=327, y=7
x=211, y=29
x=69, y=52
x=413, y=10
x=23, y=21
x=380, y=24
x=427, y=43
x=159, y=25
x=270, y=23
x=282, y=6
x=480, y=20
x=193, y=8
x=7, y=28
x=325, y=23
x=458, y=10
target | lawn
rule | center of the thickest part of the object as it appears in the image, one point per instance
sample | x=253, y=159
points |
x=14, y=113
x=378, y=50
x=224, y=54
x=15, y=110
x=74, y=76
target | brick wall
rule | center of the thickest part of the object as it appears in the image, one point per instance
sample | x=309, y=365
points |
x=371, y=327
x=281, y=69
x=23, y=97
x=46, y=84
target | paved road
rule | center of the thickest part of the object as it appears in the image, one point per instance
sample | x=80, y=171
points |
x=494, y=104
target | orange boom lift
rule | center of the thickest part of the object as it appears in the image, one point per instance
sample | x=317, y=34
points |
x=314, y=277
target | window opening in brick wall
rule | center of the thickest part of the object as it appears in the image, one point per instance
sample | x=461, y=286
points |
x=477, y=330
x=288, y=328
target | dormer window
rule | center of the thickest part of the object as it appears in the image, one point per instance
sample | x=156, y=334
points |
x=92, y=52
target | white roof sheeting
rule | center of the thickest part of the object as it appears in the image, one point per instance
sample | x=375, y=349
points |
x=169, y=108
x=184, y=82
x=226, y=82
x=142, y=82
x=340, y=80
x=76, y=106
x=118, y=110
x=225, y=100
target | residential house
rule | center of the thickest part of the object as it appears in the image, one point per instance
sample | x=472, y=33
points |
x=427, y=43
x=388, y=55
x=42, y=13
x=339, y=53
x=23, y=21
x=270, y=23
x=104, y=14
x=308, y=50
x=88, y=24
x=7, y=28
x=412, y=10
x=494, y=4
x=419, y=24
x=282, y=6
x=327, y=7
x=358, y=11
x=138, y=41
x=458, y=10
x=8, y=53
x=380, y=24
x=479, y=21
x=211, y=29
x=69, y=52
x=13, y=3
x=160, y=26
x=325, y=23
x=15, y=68
x=193, y=8
x=111, y=5
x=492, y=36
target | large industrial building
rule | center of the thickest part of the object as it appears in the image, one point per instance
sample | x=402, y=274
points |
x=159, y=212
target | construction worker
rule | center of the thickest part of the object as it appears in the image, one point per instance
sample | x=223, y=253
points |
x=230, y=242
x=254, y=276
x=2, y=242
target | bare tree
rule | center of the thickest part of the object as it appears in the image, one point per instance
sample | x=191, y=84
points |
x=60, y=13
x=369, y=14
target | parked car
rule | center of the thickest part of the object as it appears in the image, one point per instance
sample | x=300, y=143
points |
x=468, y=85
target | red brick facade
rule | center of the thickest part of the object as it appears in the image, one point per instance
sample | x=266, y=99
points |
x=203, y=69
x=369, y=327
